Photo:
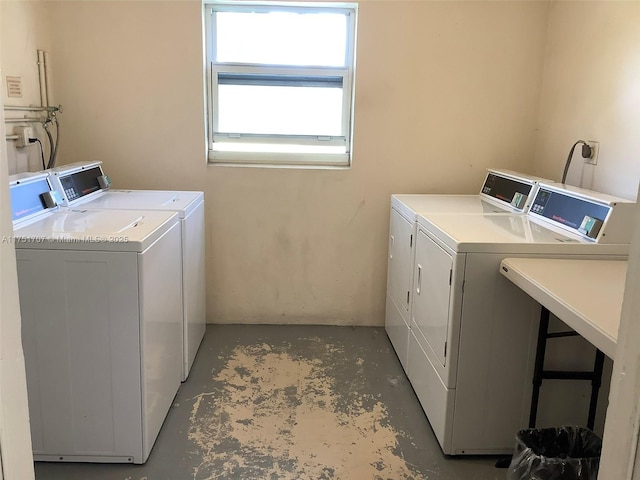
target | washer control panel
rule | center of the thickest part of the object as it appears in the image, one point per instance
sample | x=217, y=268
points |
x=81, y=183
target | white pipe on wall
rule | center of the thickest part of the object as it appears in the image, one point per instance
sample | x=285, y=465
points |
x=47, y=79
x=28, y=109
x=44, y=101
x=23, y=120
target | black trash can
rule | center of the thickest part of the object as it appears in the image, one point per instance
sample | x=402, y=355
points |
x=561, y=453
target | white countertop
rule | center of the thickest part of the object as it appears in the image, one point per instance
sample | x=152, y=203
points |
x=585, y=294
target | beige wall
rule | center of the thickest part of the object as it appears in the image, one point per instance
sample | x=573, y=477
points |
x=25, y=29
x=444, y=90
x=591, y=91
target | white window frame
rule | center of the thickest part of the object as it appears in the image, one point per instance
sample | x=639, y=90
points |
x=310, y=156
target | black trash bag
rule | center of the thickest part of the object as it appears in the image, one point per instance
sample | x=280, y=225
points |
x=561, y=453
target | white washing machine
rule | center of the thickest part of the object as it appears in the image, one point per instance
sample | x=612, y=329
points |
x=100, y=298
x=473, y=333
x=503, y=192
x=84, y=185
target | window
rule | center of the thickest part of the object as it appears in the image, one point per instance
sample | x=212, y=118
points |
x=280, y=82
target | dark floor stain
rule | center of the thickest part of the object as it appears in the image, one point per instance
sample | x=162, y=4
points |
x=312, y=416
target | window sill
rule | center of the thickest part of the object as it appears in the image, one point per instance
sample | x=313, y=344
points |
x=340, y=161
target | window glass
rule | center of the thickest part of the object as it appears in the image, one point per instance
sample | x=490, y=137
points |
x=279, y=110
x=281, y=38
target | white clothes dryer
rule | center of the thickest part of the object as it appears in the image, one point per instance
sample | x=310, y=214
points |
x=502, y=192
x=100, y=297
x=85, y=185
x=473, y=333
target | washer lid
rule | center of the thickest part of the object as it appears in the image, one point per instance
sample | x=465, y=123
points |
x=181, y=202
x=107, y=230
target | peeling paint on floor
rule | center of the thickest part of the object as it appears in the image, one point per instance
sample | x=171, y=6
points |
x=276, y=412
x=351, y=373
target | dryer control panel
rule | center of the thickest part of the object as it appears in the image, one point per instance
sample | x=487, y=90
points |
x=592, y=215
x=510, y=189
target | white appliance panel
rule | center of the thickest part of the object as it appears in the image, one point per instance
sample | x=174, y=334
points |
x=436, y=399
x=433, y=277
x=193, y=286
x=397, y=329
x=161, y=319
x=30, y=280
x=446, y=287
x=496, y=349
x=401, y=250
x=399, y=282
x=75, y=305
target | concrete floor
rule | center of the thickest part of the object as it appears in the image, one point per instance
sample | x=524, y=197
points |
x=292, y=402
